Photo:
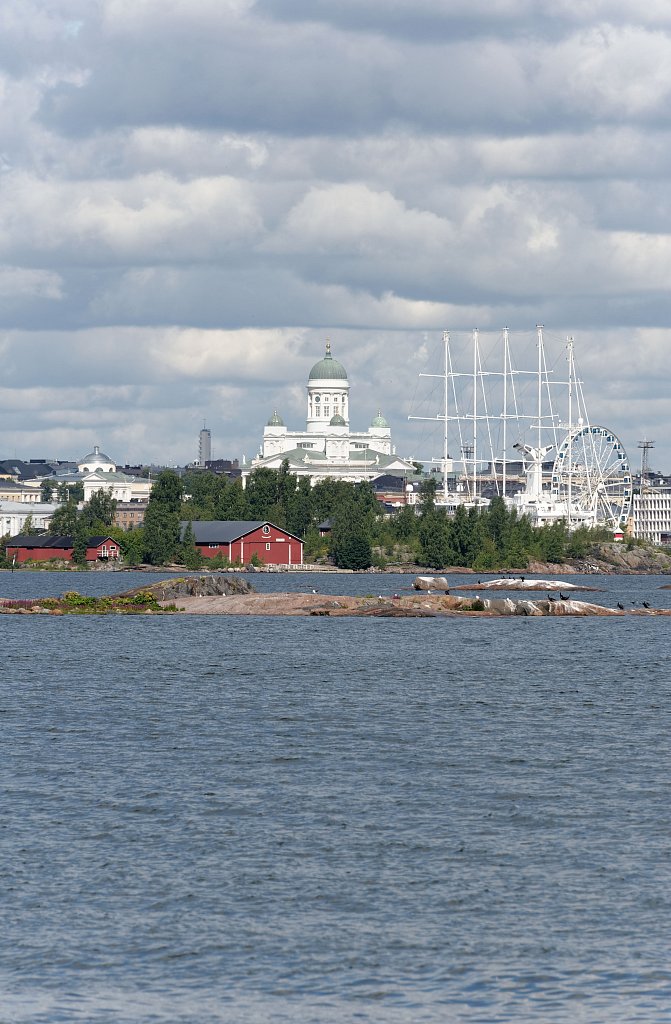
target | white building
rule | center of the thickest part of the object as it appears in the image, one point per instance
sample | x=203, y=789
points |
x=13, y=516
x=327, y=448
x=651, y=515
x=96, y=471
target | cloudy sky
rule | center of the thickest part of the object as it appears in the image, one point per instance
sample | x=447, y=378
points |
x=195, y=194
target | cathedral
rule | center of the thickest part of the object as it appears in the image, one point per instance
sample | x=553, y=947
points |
x=327, y=448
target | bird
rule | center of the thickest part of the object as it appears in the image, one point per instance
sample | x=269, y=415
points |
x=563, y=597
x=314, y=591
x=522, y=578
x=645, y=604
x=620, y=606
x=551, y=597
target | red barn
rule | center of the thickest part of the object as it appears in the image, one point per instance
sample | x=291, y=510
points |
x=43, y=547
x=238, y=541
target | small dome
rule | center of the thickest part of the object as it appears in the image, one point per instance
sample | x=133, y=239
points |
x=337, y=421
x=275, y=420
x=96, y=456
x=328, y=368
x=379, y=421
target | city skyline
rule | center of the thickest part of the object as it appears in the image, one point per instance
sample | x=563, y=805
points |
x=196, y=195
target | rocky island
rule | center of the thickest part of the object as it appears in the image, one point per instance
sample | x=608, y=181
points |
x=230, y=595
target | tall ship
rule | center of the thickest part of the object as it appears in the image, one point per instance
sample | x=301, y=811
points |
x=523, y=432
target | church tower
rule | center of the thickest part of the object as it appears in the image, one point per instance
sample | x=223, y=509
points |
x=328, y=394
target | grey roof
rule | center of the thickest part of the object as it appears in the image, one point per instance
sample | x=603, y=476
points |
x=225, y=531
x=27, y=470
x=328, y=368
x=96, y=456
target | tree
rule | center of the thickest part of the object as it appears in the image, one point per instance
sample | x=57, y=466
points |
x=161, y=520
x=132, y=545
x=232, y=502
x=350, y=540
x=46, y=490
x=64, y=520
x=354, y=551
x=427, y=494
x=80, y=544
x=261, y=492
x=191, y=556
x=29, y=530
x=99, y=510
x=434, y=538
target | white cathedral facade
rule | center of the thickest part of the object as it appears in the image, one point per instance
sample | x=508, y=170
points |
x=327, y=448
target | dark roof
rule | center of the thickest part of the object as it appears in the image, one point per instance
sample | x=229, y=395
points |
x=388, y=482
x=46, y=540
x=27, y=470
x=226, y=531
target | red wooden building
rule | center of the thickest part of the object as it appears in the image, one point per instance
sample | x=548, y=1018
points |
x=238, y=541
x=44, y=547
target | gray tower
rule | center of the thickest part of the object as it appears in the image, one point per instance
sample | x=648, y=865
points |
x=204, y=446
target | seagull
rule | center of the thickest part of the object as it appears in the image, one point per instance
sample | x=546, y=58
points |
x=314, y=591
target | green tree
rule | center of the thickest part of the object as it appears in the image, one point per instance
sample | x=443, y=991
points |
x=161, y=521
x=98, y=512
x=132, y=545
x=80, y=544
x=350, y=540
x=190, y=554
x=354, y=551
x=434, y=537
x=64, y=520
x=46, y=490
x=231, y=503
x=261, y=492
x=427, y=494
x=29, y=529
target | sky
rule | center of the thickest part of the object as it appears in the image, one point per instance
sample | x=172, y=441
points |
x=196, y=194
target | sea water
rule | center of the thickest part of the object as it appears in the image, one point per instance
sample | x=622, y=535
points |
x=253, y=819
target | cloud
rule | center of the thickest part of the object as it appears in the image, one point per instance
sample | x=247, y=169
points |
x=194, y=195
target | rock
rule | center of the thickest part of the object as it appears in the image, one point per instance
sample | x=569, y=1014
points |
x=431, y=583
x=194, y=586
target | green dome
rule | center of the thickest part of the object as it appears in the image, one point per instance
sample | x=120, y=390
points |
x=337, y=421
x=328, y=368
x=379, y=421
x=275, y=420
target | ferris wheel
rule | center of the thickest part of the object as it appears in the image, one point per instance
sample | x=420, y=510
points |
x=591, y=476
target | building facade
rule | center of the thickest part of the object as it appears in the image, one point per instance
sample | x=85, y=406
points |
x=45, y=548
x=14, y=514
x=240, y=541
x=651, y=515
x=96, y=471
x=328, y=448
x=130, y=514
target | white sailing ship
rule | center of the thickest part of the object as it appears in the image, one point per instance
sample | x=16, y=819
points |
x=506, y=449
